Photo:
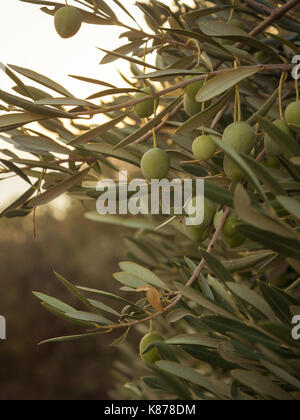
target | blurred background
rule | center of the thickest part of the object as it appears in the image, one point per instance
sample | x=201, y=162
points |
x=86, y=254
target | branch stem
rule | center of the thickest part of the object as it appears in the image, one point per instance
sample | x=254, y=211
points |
x=190, y=283
x=181, y=85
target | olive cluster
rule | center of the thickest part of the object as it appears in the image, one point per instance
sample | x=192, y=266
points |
x=230, y=235
x=238, y=136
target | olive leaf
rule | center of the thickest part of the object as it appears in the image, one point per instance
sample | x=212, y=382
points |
x=223, y=82
x=58, y=190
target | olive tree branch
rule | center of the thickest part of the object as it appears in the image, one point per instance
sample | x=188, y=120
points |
x=160, y=126
x=190, y=283
x=181, y=85
x=275, y=14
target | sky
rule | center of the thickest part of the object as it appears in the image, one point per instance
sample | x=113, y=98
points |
x=28, y=39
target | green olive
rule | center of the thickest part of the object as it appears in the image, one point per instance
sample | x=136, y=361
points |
x=272, y=149
x=239, y=136
x=152, y=355
x=191, y=107
x=229, y=228
x=209, y=211
x=67, y=21
x=232, y=171
x=292, y=116
x=145, y=109
x=192, y=89
x=155, y=164
x=230, y=235
x=196, y=233
x=204, y=148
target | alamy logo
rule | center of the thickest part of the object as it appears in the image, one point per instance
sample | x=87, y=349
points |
x=177, y=197
x=296, y=69
x=2, y=328
x=296, y=329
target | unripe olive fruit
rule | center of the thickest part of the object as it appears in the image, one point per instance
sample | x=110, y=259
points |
x=209, y=211
x=239, y=136
x=229, y=228
x=232, y=171
x=292, y=116
x=145, y=109
x=192, y=89
x=272, y=149
x=155, y=164
x=191, y=107
x=152, y=355
x=196, y=233
x=230, y=235
x=67, y=21
x=204, y=148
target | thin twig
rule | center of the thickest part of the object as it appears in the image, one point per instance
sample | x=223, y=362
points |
x=191, y=281
x=181, y=85
x=160, y=126
x=275, y=14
